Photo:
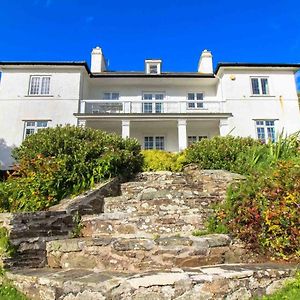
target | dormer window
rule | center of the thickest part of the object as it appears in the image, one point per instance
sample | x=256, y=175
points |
x=153, y=69
x=153, y=66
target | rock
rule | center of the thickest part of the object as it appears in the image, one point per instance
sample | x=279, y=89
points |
x=160, y=279
x=133, y=244
x=240, y=294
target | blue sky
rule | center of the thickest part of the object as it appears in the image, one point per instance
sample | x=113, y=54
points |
x=130, y=31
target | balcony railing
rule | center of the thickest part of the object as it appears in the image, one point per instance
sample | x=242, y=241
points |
x=150, y=106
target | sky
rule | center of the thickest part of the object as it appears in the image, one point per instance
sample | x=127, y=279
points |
x=129, y=31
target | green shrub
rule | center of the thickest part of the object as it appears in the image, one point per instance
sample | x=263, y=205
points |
x=219, y=152
x=264, y=210
x=158, y=160
x=58, y=162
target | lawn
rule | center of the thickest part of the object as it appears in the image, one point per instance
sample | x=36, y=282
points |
x=291, y=291
x=8, y=292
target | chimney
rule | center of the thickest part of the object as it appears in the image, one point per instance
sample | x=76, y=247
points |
x=205, y=64
x=98, y=63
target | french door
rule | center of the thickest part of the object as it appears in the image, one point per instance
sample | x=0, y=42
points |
x=150, y=107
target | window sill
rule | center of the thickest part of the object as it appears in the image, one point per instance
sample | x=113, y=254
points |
x=197, y=108
x=39, y=96
x=262, y=96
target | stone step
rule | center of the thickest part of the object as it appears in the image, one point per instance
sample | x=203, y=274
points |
x=230, y=281
x=158, y=180
x=132, y=253
x=127, y=223
x=163, y=202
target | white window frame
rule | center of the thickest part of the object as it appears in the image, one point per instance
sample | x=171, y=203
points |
x=151, y=63
x=260, y=78
x=265, y=127
x=154, y=105
x=154, y=142
x=39, y=89
x=32, y=125
x=197, y=105
x=111, y=96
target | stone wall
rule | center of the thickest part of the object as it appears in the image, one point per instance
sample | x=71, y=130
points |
x=136, y=254
x=29, y=232
x=90, y=202
x=231, y=282
x=213, y=182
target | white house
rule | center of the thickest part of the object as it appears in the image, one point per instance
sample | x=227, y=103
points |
x=163, y=110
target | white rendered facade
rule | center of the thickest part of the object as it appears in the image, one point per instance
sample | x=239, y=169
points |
x=162, y=110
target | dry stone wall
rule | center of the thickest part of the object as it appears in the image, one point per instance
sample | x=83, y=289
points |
x=230, y=282
x=29, y=232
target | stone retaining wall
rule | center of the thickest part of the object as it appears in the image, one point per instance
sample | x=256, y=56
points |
x=135, y=254
x=231, y=282
x=29, y=232
x=90, y=202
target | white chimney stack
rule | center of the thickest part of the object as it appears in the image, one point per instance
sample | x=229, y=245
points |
x=98, y=63
x=205, y=64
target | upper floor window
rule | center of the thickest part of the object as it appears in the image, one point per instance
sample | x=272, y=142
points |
x=260, y=85
x=32, y=127
x=152, y=103
x=195, y=100
x=153, y=69
x=153, y=66
x=111, y=96
x=39, y=85
x=265, y=130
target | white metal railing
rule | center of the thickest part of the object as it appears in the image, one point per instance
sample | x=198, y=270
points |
x=150, y=106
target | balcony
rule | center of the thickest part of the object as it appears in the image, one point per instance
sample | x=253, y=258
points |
x=150, y=107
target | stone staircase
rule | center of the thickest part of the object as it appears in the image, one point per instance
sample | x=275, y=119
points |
x=142, y=247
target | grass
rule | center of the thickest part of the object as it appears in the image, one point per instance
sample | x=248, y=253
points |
x=8, y=292
x=291, y=291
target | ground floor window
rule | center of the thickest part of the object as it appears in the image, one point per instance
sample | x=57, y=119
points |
x=194, y=138
x=154, y=142
x=265, y=130
x=32, y=127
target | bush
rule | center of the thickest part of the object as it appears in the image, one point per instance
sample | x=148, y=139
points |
x=158, y=160
x=264, y=210
x=220, y=152
x=63, y=161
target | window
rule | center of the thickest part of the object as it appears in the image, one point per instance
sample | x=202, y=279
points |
x=195, y=100
x=193, y=138
x=32, y=127
x=265, y=130
x=153, y=69
x=260, y=86
x=153, y=66
x=39, y=85
x=111, y=96
x=150, y=106
x=154, y=142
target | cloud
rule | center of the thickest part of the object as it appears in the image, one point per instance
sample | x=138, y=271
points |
x=89, y=19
